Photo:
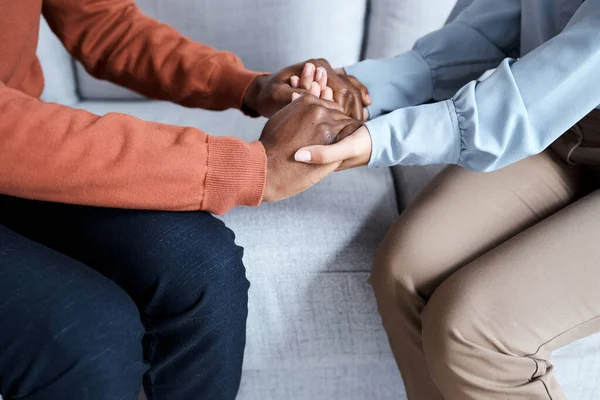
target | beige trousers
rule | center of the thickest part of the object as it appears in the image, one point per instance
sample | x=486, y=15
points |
x=486, y=274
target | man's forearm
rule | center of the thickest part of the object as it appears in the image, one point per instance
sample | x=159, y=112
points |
x=116, y=42
x=55, y=153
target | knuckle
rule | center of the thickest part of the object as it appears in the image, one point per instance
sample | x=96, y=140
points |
x=314, y=113
x=322, y=131
x=307, y=99
x=324, y=63
x=273, y=95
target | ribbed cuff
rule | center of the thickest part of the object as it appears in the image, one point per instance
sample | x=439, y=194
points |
x=236, y=174
x=234, y=82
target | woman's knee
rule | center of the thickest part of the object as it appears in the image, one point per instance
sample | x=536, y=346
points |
x=408, y=263
x=458, y=329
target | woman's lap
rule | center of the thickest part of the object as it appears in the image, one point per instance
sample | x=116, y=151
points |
x=462, y=214
x=494, y=250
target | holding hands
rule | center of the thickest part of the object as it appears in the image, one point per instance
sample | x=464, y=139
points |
x=319, y=132
x=352, y=147
x=309, y=120
x=269, y=94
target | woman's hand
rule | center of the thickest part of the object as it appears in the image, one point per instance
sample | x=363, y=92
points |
x=307, y=121
x=270, y=93
x=348, y=91
x=353, y=150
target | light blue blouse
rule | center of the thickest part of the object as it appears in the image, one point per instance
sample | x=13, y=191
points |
x=516, y=112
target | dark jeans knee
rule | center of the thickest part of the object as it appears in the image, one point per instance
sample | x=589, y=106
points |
x=196, y=296
x=67, y=331
x=196, y=270
x=96, y=346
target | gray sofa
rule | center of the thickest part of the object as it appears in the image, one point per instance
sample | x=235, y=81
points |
x=313, y=328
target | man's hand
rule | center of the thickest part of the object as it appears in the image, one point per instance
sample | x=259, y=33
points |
x=353, y=150
x=307, y=121
x=268, y=94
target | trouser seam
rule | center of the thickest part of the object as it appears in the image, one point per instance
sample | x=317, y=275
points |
x=532, y=355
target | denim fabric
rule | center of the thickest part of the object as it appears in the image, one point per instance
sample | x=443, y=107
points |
x=94, y=299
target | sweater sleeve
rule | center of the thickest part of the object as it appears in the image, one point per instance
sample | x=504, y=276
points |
x=115, y=41
x=55, y=153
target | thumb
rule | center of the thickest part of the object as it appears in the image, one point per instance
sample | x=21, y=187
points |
x=319, y=154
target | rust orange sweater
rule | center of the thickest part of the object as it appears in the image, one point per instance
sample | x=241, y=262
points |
x=55, y=153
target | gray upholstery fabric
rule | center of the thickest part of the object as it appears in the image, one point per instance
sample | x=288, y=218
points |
x=313, y=329
x=266, y=34
x=410, y=180
x=58, y=68
x=395, y=25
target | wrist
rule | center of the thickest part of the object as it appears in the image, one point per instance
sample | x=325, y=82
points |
x=250, y=104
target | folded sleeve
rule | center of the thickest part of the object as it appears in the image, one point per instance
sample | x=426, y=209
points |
x=518, y=111
x=478, y=37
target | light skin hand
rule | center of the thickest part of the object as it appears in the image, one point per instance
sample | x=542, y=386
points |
x=358, y=89
x=353, y=150
x=270, y=93
x=318, y=88
x=307, y=121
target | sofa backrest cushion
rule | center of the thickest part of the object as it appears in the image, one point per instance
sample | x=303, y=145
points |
x=58, y=68
x=394, y=25
x=266, y=34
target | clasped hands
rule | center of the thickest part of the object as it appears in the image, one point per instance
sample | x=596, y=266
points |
x=315, y=126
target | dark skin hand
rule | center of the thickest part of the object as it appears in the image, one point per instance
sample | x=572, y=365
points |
x=306, y=121
x=268, y=94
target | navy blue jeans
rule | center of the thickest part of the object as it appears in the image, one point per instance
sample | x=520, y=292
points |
x=94, y=302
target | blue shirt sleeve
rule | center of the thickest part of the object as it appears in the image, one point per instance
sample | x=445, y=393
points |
x=517, y=112
x=480, y=34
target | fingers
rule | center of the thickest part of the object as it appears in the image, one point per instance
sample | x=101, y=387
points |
x=315, y=89
x=349, y=129
x=326, y=103
x=321, y=77
x=295, y=81
x=295, y=96
x=340, y=71
x=337, y=152
x=327, y=94
x=308, y=75
x=357, y=109
x=364, y=92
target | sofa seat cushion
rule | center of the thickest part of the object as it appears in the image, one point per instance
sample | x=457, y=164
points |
x=312, y=315
x=313, y=328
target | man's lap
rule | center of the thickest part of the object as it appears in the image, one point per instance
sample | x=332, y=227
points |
x=140, y=250
x=57, y=315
